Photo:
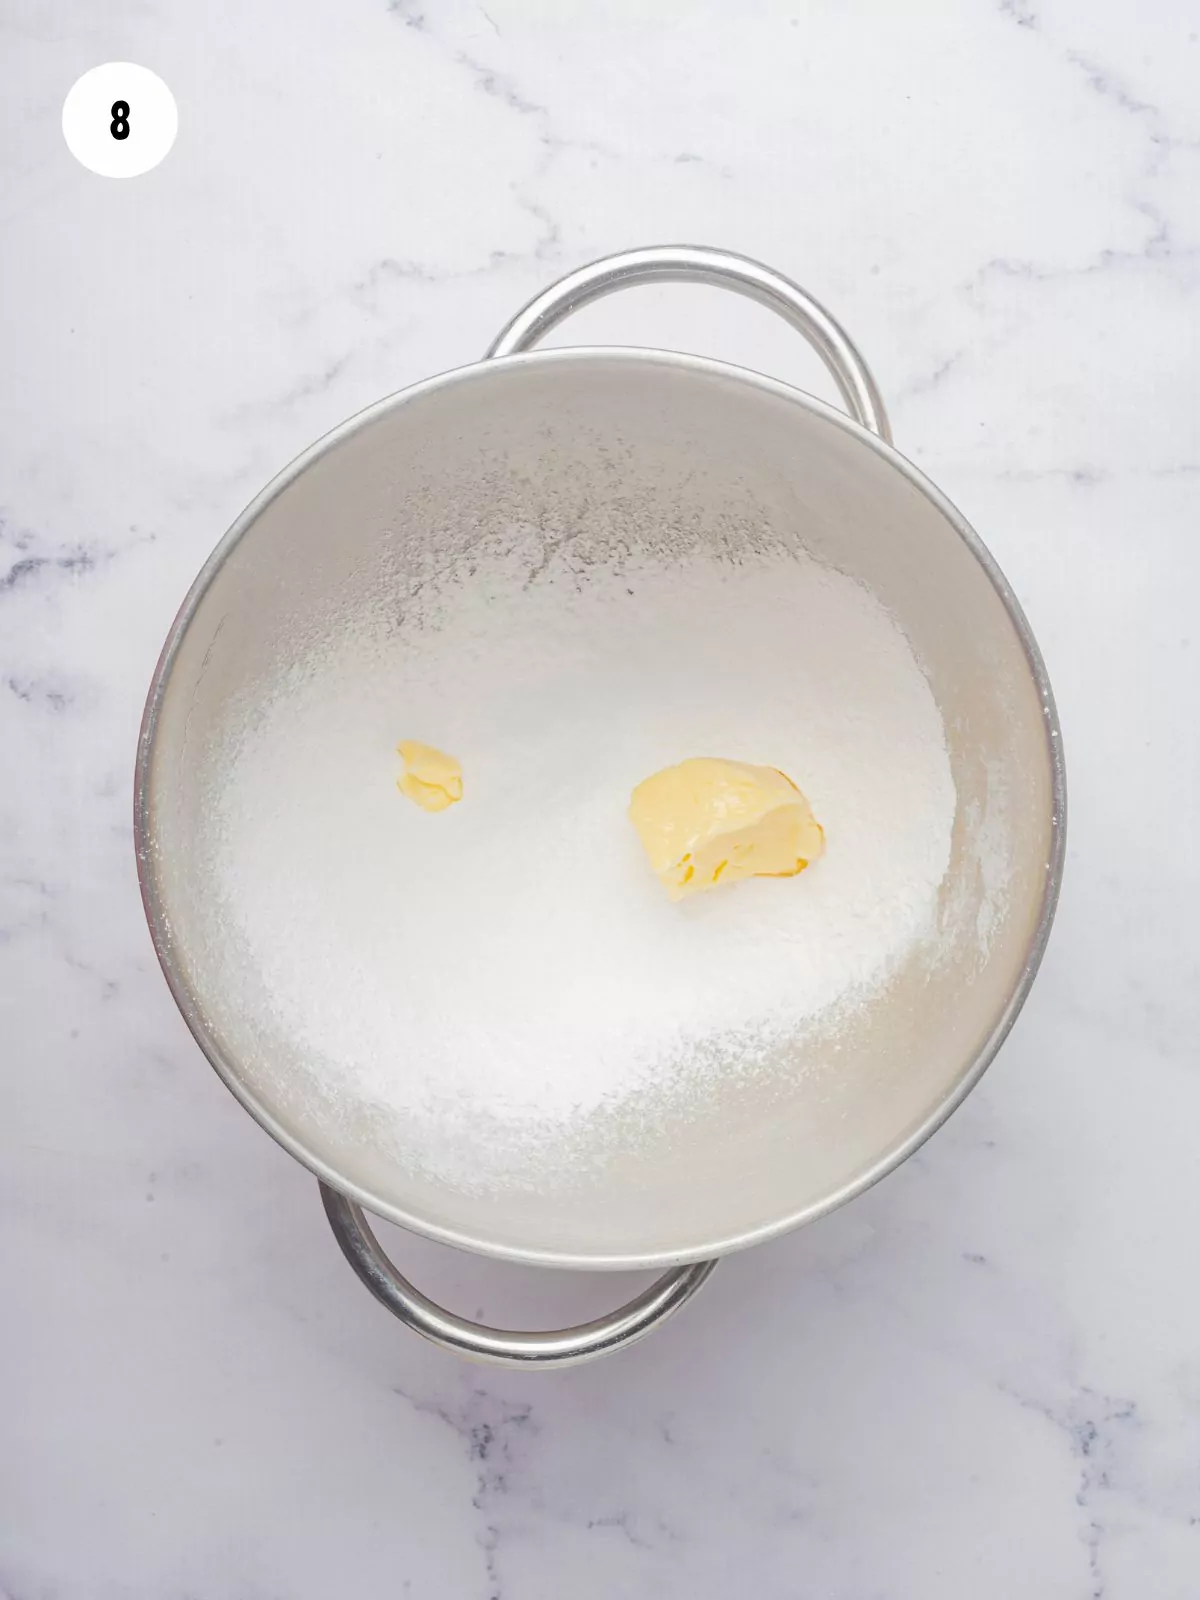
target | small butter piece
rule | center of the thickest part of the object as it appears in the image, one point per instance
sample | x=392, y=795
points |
x=708, y=821
x=431, y=777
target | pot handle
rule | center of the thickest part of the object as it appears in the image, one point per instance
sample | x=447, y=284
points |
x=723, y=269
x=563, y=1348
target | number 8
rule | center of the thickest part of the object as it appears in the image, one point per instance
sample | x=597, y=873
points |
x=119, y=126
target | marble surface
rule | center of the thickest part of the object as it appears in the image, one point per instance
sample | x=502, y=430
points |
x=982, y=1378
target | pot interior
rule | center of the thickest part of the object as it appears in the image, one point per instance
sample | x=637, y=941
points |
x=608, y=460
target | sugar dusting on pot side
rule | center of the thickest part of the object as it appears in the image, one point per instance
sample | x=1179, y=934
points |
x=492, y=990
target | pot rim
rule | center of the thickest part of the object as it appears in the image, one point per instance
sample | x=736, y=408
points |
x=188, y=1003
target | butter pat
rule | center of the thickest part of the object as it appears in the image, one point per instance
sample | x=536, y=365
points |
x=708, y=821
x=431, y=777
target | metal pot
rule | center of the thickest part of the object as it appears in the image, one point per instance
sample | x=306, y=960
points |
x=552, y=422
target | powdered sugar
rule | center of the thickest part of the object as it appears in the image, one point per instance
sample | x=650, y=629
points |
x=489, y=984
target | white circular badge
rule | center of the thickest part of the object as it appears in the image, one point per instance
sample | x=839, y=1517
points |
x=119, y=120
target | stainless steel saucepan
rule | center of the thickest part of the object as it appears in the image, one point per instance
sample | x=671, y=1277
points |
x=673, y=438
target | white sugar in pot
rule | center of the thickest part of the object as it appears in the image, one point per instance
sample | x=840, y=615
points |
x=650, y=441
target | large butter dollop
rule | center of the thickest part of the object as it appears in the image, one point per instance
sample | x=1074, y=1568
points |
x=430, y=777
x=708, y=821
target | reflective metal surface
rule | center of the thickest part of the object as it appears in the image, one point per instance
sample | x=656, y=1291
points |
x=566, y=1347
x=283, y=537
x=720, y=269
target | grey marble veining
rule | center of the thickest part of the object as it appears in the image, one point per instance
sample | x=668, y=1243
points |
x=982, y=1378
